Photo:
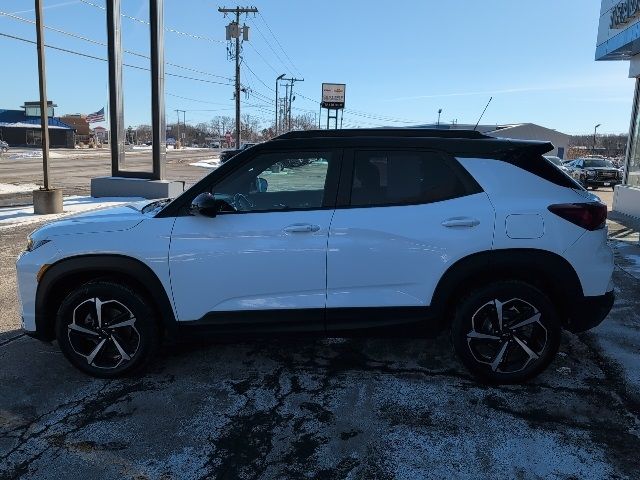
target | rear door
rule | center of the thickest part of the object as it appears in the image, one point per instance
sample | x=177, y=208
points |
x=403, y=218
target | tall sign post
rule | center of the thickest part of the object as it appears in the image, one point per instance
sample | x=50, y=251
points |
x=333, y=99
x=45, y=200
x=127, y=182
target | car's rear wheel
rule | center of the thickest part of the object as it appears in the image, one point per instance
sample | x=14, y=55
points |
x=506, y=332
x=106, y=329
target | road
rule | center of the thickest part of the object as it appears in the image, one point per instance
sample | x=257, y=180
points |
x=72, y=170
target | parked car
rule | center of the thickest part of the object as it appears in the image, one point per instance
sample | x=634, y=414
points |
x=596, y=172
x=228, y=154
x=4, y=146
x=214, y=145
x=411, y=230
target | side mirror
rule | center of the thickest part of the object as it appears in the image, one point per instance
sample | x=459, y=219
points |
x=204, y=205
x=262, y=184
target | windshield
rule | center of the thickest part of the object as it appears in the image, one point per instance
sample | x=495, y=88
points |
x=554, y=160
x=597, y=162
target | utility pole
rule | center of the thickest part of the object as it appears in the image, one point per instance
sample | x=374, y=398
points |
x=285, y=115
x=277, y=82
x=290, y=97
x=179, y=139
x=233, y=32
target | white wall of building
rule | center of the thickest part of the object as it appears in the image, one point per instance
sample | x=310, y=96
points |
x=530, y=131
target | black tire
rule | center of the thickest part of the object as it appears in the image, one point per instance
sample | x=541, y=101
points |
x=477, y=315
x=112, y=342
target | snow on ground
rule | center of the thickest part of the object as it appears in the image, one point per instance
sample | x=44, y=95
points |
x=14, y=216
x=19, y=155
x=6, y=188
x=207, y=163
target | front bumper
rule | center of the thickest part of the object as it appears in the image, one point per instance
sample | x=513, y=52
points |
x=589, y=182
x=589, y=312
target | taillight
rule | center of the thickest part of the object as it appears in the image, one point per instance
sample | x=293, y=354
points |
x=590, y=216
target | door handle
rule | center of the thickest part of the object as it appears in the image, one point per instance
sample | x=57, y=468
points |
x=461, y=222
x=301, y=228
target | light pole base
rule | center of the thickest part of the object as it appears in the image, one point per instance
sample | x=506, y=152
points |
x=47, y=202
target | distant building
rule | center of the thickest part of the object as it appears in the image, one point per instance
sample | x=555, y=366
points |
x=101, y=134
x=81, y=125
x=21, y=128
x=520, y=131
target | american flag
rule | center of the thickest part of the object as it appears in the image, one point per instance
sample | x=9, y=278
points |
x=96, y=117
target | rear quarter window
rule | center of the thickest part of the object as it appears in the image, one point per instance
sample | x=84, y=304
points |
x=540, y=167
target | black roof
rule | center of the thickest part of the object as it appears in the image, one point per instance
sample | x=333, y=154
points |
x=466, y=143
x=384, y=132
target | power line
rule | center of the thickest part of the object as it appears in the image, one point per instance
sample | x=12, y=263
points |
x=271, y=47
x=279, y=44
x=168, y=29
x=368, y=115
x=263, y=59
x=73, y=52
x=97, y=42
x=257, y=77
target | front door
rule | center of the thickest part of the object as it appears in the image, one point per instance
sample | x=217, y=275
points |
x=263, y=261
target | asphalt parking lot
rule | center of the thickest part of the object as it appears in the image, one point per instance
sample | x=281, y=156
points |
x=324, y=408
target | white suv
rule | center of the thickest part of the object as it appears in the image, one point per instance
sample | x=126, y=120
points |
x=409, y=230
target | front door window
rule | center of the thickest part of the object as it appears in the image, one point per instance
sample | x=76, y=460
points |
x=278, y=181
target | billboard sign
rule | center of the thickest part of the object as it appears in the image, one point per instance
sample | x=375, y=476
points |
x=333, y=95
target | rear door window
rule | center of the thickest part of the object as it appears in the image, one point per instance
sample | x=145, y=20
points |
x=406, y=177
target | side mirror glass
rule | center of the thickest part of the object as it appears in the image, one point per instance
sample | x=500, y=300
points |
x=262, y=184
x=204, y=205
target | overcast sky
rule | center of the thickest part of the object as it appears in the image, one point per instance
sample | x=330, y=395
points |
x=401, y=61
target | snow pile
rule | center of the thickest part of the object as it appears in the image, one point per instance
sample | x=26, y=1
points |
x=14, y=216
x=212, y=163
x=6, y=188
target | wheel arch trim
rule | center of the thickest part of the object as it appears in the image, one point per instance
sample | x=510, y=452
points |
x=549, y=268
x=101, y=265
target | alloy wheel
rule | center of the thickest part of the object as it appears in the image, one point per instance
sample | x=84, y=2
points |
x=104, y=333
x=507, y=336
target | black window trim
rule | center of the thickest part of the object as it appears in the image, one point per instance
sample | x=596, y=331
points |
x=348, y=164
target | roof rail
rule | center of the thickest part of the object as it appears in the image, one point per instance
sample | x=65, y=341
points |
x=383, y=132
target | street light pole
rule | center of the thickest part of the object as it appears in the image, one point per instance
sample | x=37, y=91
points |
x=595, y=129
x=439, y=112
x=277, y=82
x=44, y=110
x=45, y=200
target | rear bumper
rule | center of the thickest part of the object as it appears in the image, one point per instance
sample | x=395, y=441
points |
x=589, y=312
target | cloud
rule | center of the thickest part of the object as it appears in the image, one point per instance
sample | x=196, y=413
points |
x=48, y=7
x=596, y=83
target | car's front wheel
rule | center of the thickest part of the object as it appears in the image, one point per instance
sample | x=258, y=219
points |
x=106, y=329
x=506, y=332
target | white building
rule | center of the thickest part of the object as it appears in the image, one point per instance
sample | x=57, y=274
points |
x=619, y=39
x=520, y=131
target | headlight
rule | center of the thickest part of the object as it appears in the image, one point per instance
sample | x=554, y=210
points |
x=590, y=173
x=32, y=245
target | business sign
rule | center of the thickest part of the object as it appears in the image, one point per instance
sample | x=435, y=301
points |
x=624, y=12
x=333, y=95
